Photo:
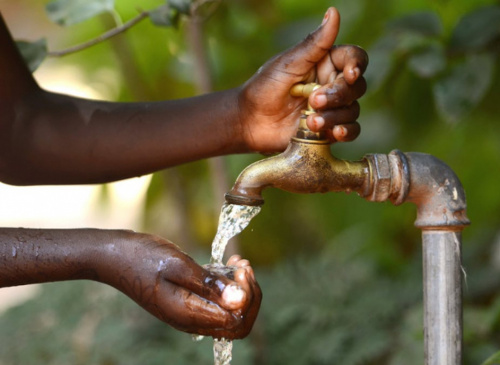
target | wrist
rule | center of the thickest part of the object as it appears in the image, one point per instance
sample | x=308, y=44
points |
x=234, y=121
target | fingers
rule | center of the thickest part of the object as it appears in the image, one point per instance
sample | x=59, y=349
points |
x=337, y=109
x=233, y=260
x=329, y=119
x=345, y=132
x=232, y=317
x=302, y=58
x=236, y=296
x=335, y=132
x=337, y=94
x=349, y=59
x=190, y=313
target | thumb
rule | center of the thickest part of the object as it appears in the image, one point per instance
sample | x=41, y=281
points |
x=303, y=57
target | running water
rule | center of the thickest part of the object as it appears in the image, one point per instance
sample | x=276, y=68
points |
x=232, y=221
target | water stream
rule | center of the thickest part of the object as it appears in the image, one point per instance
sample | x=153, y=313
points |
x=232, y=221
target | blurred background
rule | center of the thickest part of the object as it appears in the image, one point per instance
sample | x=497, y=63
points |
x=341, y=276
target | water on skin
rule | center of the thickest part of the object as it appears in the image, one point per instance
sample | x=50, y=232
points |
x=232, y=221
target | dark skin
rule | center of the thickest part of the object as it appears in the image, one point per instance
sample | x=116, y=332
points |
x=48, y=138
x=153, y=272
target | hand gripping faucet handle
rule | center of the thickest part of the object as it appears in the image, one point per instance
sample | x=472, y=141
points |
x=304, y=90
x=303, y=132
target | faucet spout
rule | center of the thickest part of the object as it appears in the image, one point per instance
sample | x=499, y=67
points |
x=307, y=166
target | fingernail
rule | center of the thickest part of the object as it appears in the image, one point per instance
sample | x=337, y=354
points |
x=354, y=73
x=340, y=131
x=233, y=295
x=325, y=18
x=319, y=122
x=320, y=100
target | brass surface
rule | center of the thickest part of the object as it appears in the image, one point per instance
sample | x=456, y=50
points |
x=307, y=166
x=303, y=132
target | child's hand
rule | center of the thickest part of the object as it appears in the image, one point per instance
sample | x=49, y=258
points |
x=269, y=114
x=173, y=287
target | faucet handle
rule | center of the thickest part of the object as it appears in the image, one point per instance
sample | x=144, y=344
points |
x=304, y=90
x=303, y=132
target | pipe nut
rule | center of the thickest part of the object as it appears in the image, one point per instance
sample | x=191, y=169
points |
x=381, y=177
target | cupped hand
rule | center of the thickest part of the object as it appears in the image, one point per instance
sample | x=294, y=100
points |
x=173, y=287
x=269, y=114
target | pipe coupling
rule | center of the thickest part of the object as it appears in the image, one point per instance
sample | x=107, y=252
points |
x=389, y=176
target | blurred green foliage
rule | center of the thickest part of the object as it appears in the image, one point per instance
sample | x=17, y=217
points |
x=341, y=277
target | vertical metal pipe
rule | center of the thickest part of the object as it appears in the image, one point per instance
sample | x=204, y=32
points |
x=442, y=297
x=434, y=188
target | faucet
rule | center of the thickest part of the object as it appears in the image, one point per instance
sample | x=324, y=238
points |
x=306, y=166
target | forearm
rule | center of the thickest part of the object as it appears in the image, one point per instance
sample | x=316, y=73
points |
x=47, y=138
x=30, y=256
x=57, y=139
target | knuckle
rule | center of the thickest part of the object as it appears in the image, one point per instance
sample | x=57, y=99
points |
x=362, y=85
x=356, y=109
x=337, y=96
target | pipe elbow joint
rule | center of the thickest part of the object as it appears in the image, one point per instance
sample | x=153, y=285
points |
x=437, y=192
x=424, y=180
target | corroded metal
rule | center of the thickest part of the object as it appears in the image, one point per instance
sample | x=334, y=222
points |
x=423, y=180
x=307, y=166
x=434, y=188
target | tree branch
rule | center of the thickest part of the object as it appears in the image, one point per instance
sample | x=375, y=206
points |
x=103, y=37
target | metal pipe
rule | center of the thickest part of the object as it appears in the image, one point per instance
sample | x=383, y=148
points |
x=442, y=297
x=441, y=215
x=307, y=166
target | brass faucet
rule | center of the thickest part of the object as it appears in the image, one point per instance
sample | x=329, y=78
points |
x=306, y=166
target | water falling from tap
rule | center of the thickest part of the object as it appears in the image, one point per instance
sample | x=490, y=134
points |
x=232, y=221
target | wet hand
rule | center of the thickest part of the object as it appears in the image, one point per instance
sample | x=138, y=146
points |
x=269, y=114
x=173, y=287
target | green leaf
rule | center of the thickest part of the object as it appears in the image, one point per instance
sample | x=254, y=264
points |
x=33, y=52
x=164, y=16
x=429, y=61
x=409, y=42
x=69, y=12
x=381, y=62
x=477, y=29
x=493, y=359
x=459, y=91
x=182, y=6
x=424, y=23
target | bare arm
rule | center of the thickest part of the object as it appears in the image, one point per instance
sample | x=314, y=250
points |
x=46, y=138
x=150, y=270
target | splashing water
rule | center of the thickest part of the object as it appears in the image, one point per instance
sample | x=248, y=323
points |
x=223, y=351
x=232, y=221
